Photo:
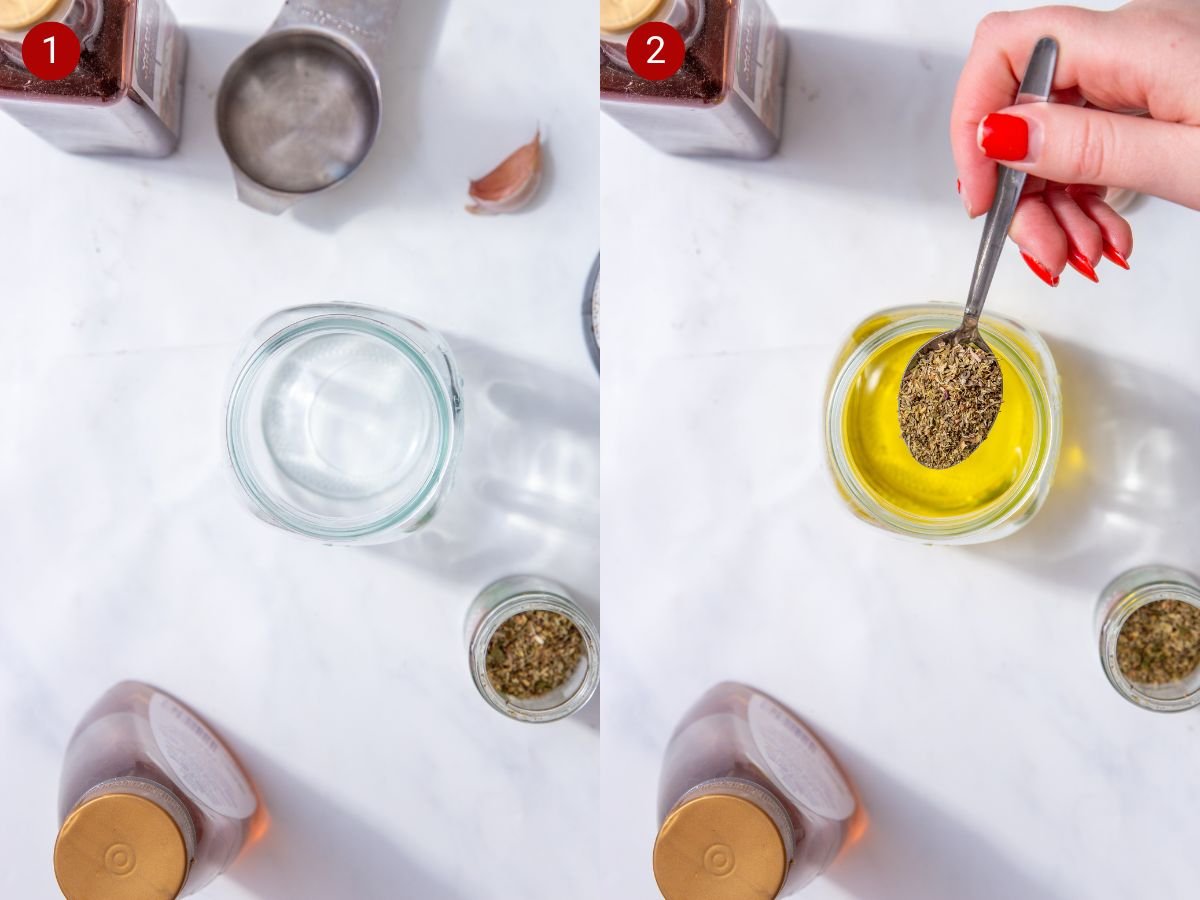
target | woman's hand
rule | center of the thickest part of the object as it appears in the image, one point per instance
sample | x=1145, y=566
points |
x=1125, y=113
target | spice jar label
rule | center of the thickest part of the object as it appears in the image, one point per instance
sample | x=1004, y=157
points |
x=157, y=45
x=199, y=761
x=149, y=25
x=799, y=764
x=757, y=59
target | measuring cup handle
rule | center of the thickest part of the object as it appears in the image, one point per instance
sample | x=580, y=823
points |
x=258, y=197
x=366, y=23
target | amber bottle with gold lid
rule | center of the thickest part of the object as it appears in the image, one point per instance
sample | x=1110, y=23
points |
x=152, y=804
x=751, y=805
x=726, y=100
x=126, y=94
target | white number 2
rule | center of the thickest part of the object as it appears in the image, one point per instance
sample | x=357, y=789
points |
x=50, y=41
x=653, y=56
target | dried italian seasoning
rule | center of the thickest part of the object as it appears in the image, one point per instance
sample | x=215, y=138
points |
x=948, y=403
x=1160, y=643
x=533, y=653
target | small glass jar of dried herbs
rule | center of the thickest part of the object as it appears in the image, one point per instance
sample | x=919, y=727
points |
x=1148, y=622
x=534, y=653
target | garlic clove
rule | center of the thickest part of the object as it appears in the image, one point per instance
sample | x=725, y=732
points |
x=511, y=185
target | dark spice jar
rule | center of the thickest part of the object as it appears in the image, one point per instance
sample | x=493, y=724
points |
x=126, y=94
x=726, y=99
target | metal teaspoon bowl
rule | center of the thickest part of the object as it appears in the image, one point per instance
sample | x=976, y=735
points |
x=299, y=111
x=1035, y=87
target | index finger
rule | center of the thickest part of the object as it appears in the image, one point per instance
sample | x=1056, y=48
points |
x=992, y=75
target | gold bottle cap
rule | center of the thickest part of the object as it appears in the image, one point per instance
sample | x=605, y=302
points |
x=120, y=847
x=622, y=15
x=18, y=14
x=719, y=847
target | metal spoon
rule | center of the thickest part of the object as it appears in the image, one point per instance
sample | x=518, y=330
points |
x=1035, y=87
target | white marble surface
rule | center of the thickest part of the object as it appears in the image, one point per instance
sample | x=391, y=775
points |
x=340, y=674
x=960, y=687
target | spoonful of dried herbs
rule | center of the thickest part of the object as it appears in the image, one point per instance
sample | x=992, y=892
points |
x=952, y=389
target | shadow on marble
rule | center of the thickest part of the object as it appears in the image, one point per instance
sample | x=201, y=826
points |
x=590, y=714
x=867, y=116
x=911, y=850
x=316, y=850
x=1127, y=490
x=200, y=157
x=526, y=496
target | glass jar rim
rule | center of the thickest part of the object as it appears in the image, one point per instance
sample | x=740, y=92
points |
x=323, y=528
x=532, y=601
x=935, y=316
x=1110, y=631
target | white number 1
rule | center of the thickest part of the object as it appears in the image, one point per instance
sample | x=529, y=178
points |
x=50, y=41
x=653, y=56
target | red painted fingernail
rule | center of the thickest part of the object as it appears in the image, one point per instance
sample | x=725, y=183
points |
x=1114, y=255
x=1080, y=264
x=958, y=185
x=1004, y=137
x=1039, y=270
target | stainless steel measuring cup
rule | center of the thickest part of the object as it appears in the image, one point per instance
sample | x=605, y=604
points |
x=300, y=109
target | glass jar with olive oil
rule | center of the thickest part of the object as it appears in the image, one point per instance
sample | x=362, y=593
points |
x=988, y=496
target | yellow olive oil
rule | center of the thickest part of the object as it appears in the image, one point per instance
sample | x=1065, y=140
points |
x=881, y=462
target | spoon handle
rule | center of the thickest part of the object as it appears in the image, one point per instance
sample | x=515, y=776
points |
x=1034, y=87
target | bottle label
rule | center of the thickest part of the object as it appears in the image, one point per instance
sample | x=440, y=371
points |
x=199, y=761
x=155, y=63
x=757, y=62
x=798, y=763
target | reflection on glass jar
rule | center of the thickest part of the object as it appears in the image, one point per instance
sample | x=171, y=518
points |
x=990, y=495
x=524, y=594
x=1162, y=690
x=344, y=422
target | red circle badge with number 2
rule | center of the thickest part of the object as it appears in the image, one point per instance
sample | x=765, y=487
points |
x=50, y=51
x=655, y=51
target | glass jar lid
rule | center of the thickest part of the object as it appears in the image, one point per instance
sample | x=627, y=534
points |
x=121, y=846
x=16, y=15
x=624, y=15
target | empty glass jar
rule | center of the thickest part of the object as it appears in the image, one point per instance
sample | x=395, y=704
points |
x=344, y=422
x=512, y=596
x=1124, y=596
x=988, y=496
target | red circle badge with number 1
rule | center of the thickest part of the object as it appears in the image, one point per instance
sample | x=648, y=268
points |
x=50, y=51
x=655, y=51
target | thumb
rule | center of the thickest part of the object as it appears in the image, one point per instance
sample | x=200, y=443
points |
x=1076, y=145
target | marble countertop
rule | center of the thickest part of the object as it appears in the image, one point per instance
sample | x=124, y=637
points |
x=960, y=686
x=339, y=674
